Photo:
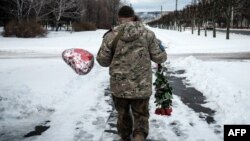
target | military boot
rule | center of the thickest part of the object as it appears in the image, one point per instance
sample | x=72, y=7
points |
x=138, y=137
x=127, y=139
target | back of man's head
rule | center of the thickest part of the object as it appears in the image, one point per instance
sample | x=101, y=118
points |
x=126, y=12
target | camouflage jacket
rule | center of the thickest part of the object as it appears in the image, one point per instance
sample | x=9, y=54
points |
x=130, y=66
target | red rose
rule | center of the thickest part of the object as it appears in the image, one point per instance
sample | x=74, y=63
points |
x=163, y=111
x=168, y=111
x=158, y=111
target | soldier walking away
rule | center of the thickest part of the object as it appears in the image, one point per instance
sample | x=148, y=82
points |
x=127, y=50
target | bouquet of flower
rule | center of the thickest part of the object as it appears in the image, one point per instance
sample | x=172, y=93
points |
x=163, y=93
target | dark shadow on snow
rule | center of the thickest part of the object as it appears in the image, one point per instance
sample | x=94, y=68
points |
x=190, y=96
x=38, y=130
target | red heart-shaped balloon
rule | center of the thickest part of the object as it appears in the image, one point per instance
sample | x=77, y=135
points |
x=80, y=60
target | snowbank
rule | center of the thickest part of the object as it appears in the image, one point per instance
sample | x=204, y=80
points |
x=224, y=83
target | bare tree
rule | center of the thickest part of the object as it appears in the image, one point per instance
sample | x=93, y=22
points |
x=205, y=14
x=62, y=8
x=26, y=9
x=40, y=9
x=199, y=17
x=4, y=12
x=227, y=7
x=101, y=12
x=114, y=6
x=214, y=6
x=245, y=13
x=193, y=11
x=18, y=8
x=91, y=10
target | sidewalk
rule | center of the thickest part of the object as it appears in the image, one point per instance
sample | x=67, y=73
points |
x=188, y=95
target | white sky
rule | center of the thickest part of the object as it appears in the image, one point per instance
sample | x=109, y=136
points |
x=155, y=5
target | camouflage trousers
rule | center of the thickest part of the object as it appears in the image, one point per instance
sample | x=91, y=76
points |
x=128, y=124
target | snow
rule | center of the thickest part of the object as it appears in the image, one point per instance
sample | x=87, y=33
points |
x=225, y=84
x=38, y=88
x=54, y=43
x=30, y=87
x=185, y=42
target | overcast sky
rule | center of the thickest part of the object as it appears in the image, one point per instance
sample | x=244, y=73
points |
x=155, y=5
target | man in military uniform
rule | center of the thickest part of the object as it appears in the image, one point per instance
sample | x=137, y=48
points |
x=128, y=50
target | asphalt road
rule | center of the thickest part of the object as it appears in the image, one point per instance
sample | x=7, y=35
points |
x=215, y=56
x=243, y=32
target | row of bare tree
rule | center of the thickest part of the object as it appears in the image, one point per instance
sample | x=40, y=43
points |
x=220, y=13
x=57, y=12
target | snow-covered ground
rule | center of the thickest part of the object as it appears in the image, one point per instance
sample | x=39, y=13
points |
x=36, y=90
x=185, y=42
x=217, y=79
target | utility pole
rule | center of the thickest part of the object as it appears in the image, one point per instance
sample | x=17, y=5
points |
x=161, y=26
x=214, y=16
x=161, y=10
x=176, y=5
x=232, y=17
